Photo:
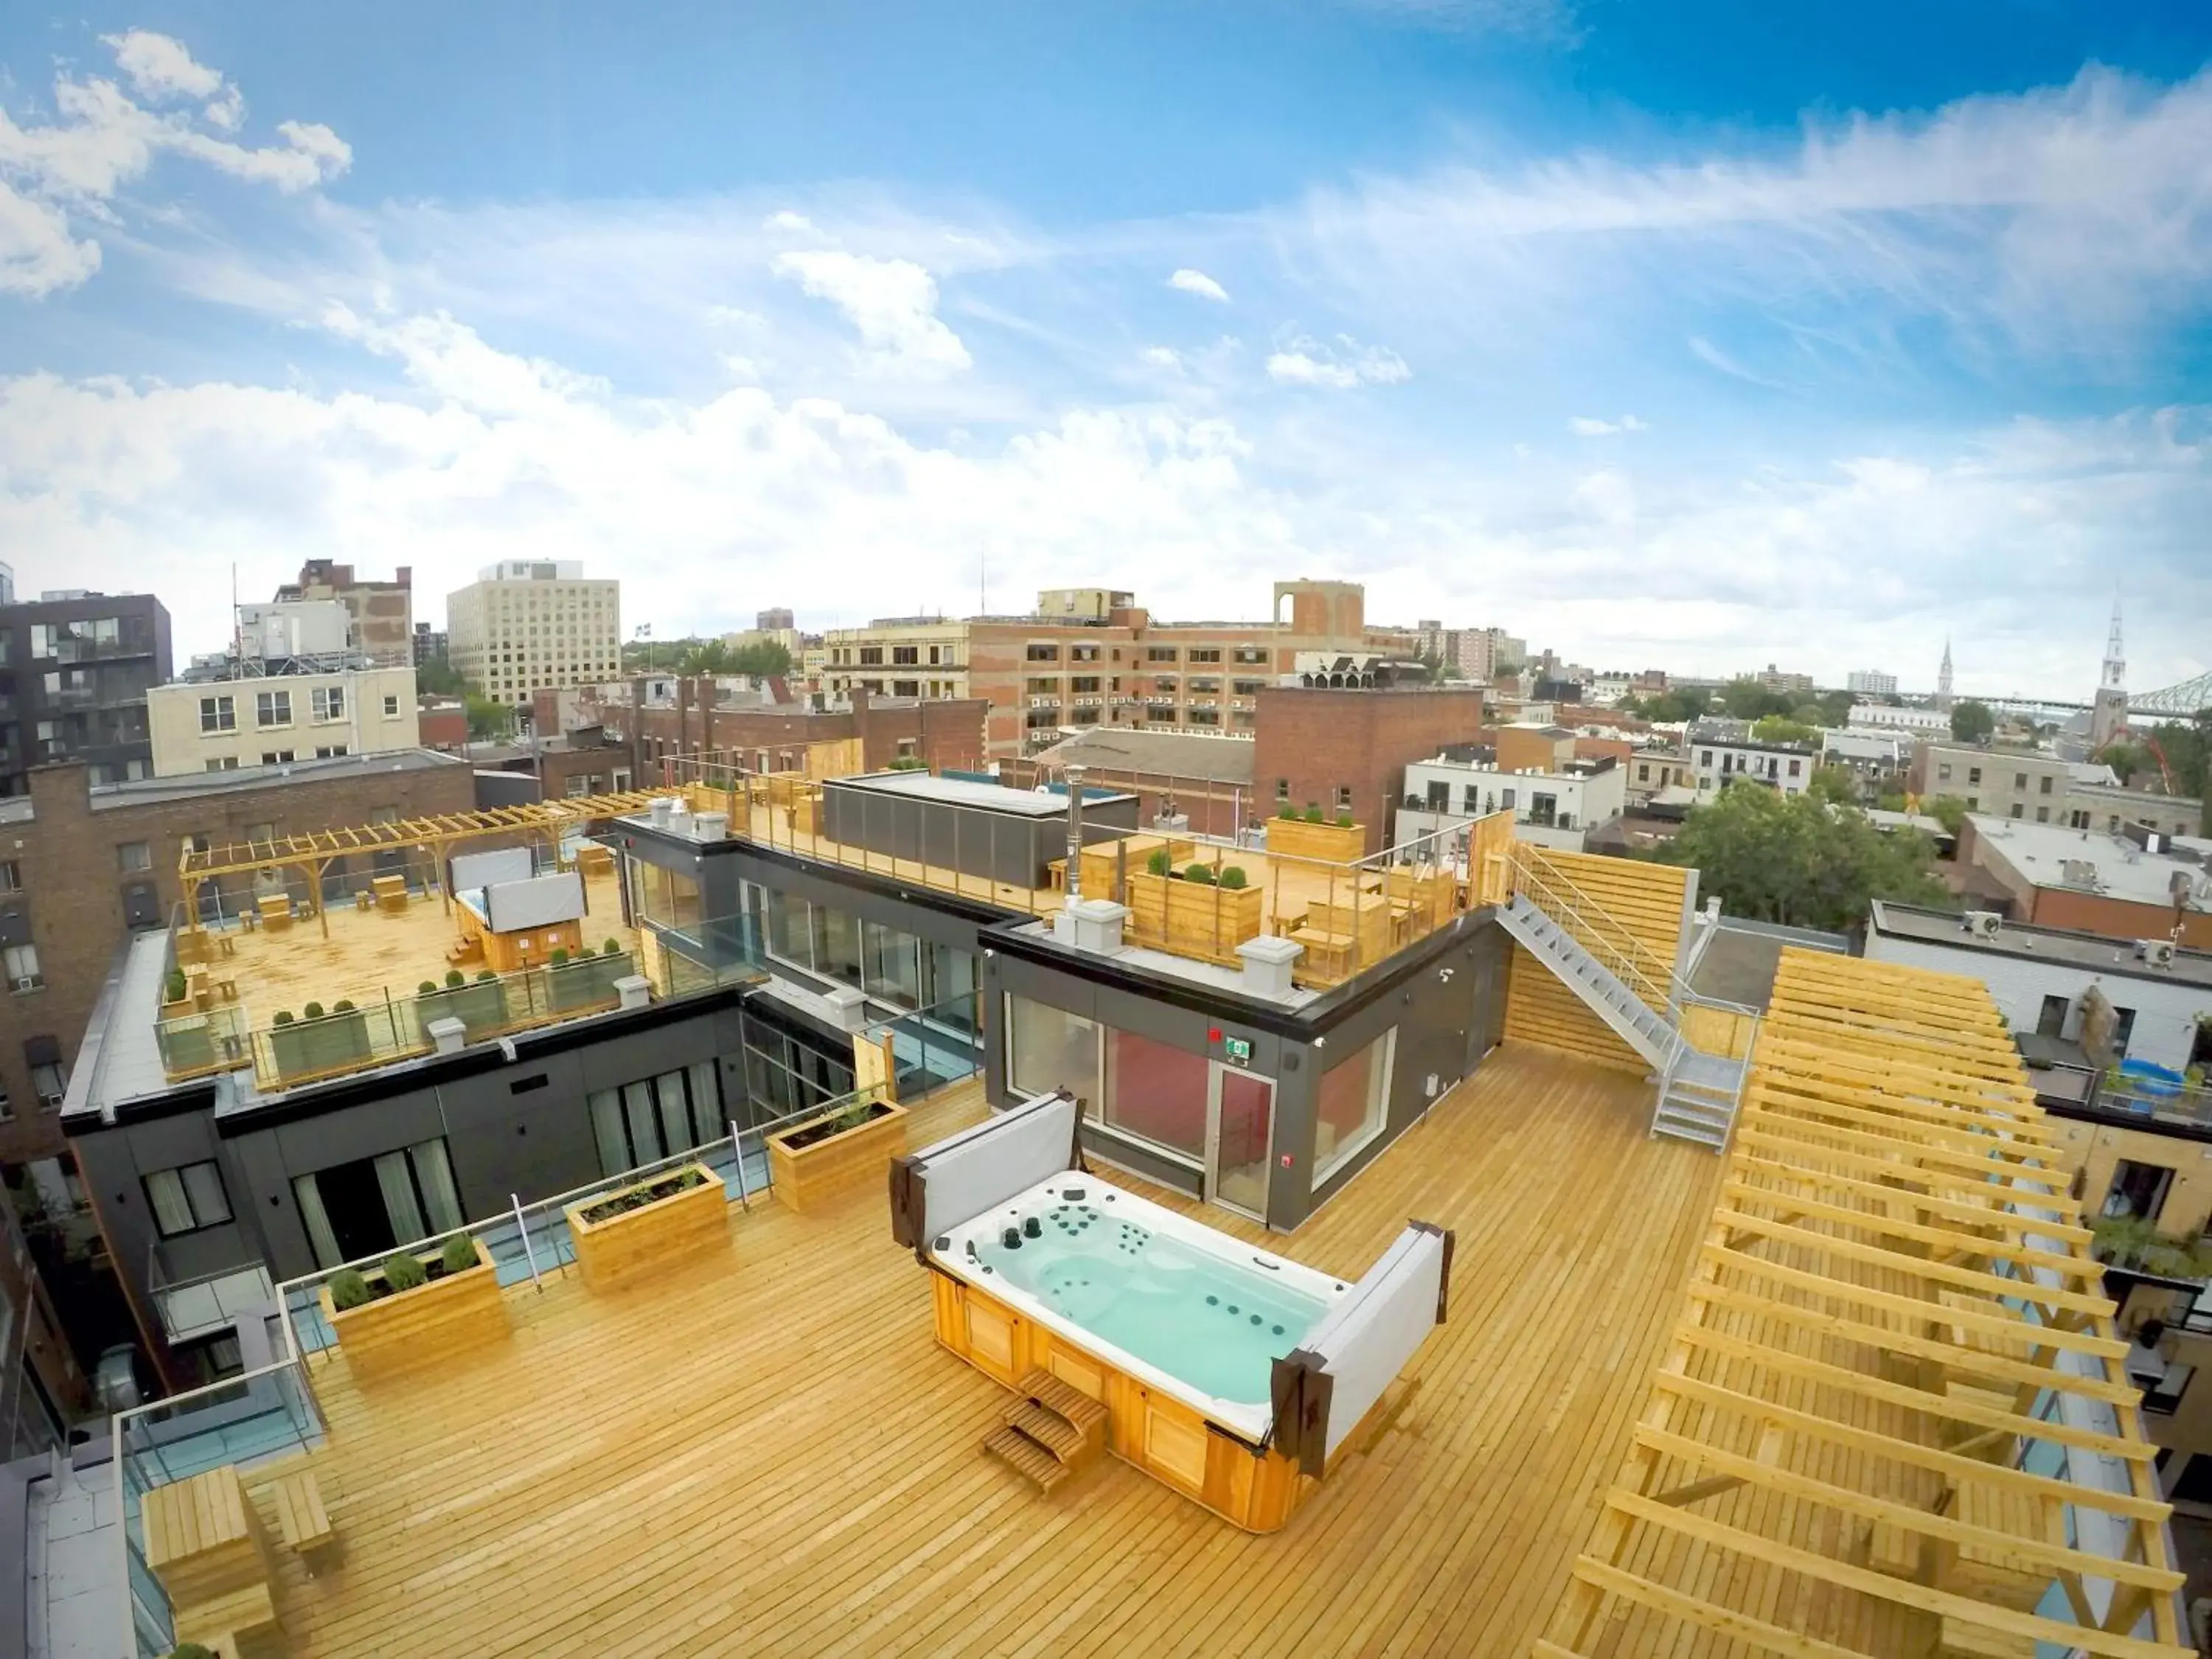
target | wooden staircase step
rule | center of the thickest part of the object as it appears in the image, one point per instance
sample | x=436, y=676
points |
x=1077, y=1408
x=1049, y=1429
x=1016, y=1450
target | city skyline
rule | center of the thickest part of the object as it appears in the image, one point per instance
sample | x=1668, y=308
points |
x=1804, y=351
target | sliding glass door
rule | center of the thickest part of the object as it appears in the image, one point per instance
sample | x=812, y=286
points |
x=373, y=1206
x=1240, y=1132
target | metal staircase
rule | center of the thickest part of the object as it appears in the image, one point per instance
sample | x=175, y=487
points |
x=1636, y=993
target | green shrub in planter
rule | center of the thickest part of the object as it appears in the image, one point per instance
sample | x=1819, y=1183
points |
x=560, y=957
x=1313, y=812
x=348, y=1290
x=611, y=948
x=191, y=1650
x=313, y=1011
x=428, y=988
x=1232, y=877
x=485, y=975
x=1343, y=820
x=1287, y=810
x=1201, y=873
x=1159, y=863
x=460, y=1254
x=455, y=979
x=283, y=1017
x=342, y=1005
x=173, y=988
x=403, y=1272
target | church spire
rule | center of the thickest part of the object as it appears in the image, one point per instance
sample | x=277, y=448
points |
x=2116, y=660
x=1943, y=676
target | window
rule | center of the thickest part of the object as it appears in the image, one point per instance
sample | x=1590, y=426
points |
x=2050, y=1021
x=872, y=656
x=327, y=702
x=50, y=1081
x=1159, y=653
x=391, y=708
x=1439, y=796
x=11, y=876
x=1973, y=774
x=1083, y=653
x=260, y=832
x=1705, y=757
x=7, y=1106
x=1543, y=809
x=1047, y=1048
x=1943, y=771
x=1505, y=800
x=1470, y=799
x=1085, y=684
x=272, y=707
x=222, y=763
x=1344, y=797
x=2018, y=811
x=329, y=751
x=906, y=688
x=2043, y=784
x=1156, y=1092
x=1353, y=1103
x=134, y=855
x=1042, y=654
x=657, y=1117
x=2124, y=1027
x=1204, y=654
x=1973, y=803
x=906, y=655
x=187, y=1198
x=218, y=714
x=1282, y=788
x=1794, y=767
x=2019, y=780
x=276, y=757
x=2042, y=815
x=22, y=963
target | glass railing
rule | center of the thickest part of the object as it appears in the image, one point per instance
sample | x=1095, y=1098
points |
x=243, y=1421
x=203, y=1043
x=934, y=1046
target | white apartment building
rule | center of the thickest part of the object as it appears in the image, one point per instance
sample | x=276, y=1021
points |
x=1717, y=761
x=526, y=625
x=1557, y=808
x=256, y=719
x=1879, y=715
x=1870, y=683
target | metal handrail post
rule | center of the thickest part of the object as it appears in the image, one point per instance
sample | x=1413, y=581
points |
x=522, y=1225
x=737, y=1148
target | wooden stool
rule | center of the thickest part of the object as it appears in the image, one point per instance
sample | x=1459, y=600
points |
x=300, y=1515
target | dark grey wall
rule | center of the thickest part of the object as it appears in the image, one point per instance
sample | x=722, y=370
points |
x=502, y=1143
x=1447, y=1003
x=976, y=840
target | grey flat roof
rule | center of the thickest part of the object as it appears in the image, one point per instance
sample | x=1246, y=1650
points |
x=1736, y=959
x=2039, y=852
x=1193, y=755
x=2031, y=943
x=962, y=791
x=127, y=1065
x=193, y=784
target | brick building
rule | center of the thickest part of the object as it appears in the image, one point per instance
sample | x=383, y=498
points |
x=1205, y=780
x=2137, y=884
x=1094, y=658
x=1348, y=750
x=83, y=867
x=702, y=718
x=380, y=616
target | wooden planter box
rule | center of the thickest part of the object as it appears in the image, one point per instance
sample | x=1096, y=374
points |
x=450, y=1315
x=808, y=1178
x=636, y=1243
x=1332, y=843
x=480, y=1008
x=1193, y=919
x=588, y=981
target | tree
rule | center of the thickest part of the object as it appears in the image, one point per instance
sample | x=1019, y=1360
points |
x=762, y=658
x=1780, y=728
x=488, y=720
x=1836, y=708
x=1972, y=722
x=1837, y=785
x=2126, y=759
x=1673, y=708
x=1745, y=699
x=1800, y=860
x=1947, y=810
x=439, y=678
x=1890, y=800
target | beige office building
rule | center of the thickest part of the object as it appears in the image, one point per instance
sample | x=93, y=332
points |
x=527, y=625
x=223, y=726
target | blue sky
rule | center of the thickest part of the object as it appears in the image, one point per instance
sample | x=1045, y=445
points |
x=1695, y=335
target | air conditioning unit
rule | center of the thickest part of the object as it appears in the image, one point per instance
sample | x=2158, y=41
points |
x=2158, y=952
x=1984, y=924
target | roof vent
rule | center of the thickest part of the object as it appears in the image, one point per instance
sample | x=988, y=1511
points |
x=2158, y=952
x=2078, y=873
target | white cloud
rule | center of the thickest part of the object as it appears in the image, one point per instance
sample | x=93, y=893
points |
x=891, y=303
x=1197, y=282
x=1305, y=361
x=783, y=219
x=160, y=68
x=1161, y=357
x=1584, y=426
x=55, y=173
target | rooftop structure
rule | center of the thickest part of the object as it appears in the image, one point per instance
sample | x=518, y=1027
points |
x=82, y=666
x=1724, y=752
x=526, y=625
x=263, y=711
x=2133, y=885
x=380, y=614
x=1555, y=804
x=1929, y=722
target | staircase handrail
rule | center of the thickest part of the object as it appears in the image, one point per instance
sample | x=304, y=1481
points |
x=1577, y=907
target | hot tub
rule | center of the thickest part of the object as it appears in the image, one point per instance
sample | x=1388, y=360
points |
x=1175, y=1326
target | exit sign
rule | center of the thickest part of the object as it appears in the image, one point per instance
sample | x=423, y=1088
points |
x=1237, y=1049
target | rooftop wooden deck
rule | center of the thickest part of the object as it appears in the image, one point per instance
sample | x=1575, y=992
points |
x=769, y=1453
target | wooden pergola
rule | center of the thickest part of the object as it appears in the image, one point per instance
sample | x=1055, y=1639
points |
x=1893, y=1336
x=312, y=853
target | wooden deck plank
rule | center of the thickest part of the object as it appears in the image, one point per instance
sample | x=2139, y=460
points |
x=767, y=1452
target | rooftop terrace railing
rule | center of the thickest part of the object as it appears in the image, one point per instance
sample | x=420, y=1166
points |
x=1349, y=915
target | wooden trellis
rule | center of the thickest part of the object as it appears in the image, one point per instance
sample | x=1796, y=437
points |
x=312, y=853
x=1894, y=1299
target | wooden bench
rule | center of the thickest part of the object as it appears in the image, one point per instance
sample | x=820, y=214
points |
x=302, y=1517
x=240, y=1613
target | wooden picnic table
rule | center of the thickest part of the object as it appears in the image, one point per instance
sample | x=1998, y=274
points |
x=203, y=1539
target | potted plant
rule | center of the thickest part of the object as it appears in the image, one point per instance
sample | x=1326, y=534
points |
x=585, y=980
x=1197, y=912
x=624, y=1235
x=821, y=1159
x=416, y=1308
x=177, y=996
x=1313, y=837
x=480, y=1006
x=320, y=1043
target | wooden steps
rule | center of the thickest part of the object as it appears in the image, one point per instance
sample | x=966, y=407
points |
x=1050, y=1433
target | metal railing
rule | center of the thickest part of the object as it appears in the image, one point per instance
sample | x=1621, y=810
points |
x=2106, y=1090
x=1635, y=964
x=241, y=1421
